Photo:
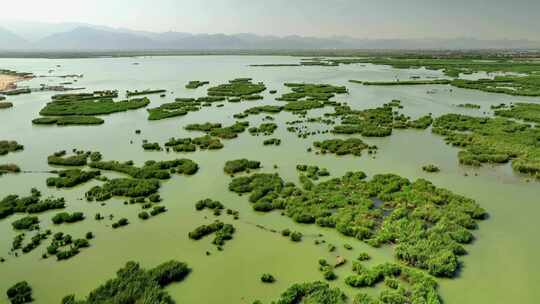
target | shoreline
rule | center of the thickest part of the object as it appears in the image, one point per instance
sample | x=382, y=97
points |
x=9, y=82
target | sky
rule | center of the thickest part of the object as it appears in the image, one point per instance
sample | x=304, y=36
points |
x=485, y=19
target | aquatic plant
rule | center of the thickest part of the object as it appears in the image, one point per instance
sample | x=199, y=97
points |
x=431, y=168
x=20, y=293
x=264, y=128
x=194, y=84
x=144, y=92
x=240, y=87
x=68, y=120
x=208, y=203
x=267, y=278
x=151, y=169
x=316, y=292
x=130, y=187
x=25, y=223
x=491, y=140
x=60, y=158
x=181, y=107
x=353, y=146
x=223, y=232
x=120, y=223
x=7, y=146
x=30, y=204
x=524, y=111
x=134, y=284
x=428, y=225
x=71, y=178
x=5, y=105
x=91, y=107
x=240, y=165
x=65, y=217
x=9, y=168
x=272, y=142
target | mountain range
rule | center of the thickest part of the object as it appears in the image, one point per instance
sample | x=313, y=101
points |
x=79, y=36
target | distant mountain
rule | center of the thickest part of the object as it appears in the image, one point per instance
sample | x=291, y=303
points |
x=79, y=36
x=90, y=38
x=9, y=40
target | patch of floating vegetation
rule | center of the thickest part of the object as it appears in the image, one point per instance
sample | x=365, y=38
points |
x=376, y=122
x=69, y=121
x=264, y=129
x=20, y=293
x=120, y=223
x=5, y=104
x=79, y=158
x=492, y=140
x=151, y=169
x=29, y=222
x=151, y=146
x=527, y=84
x=144, y=92
x=71, y=178
x=312, y=172
x=241, y=165
x=311, y=92
x=9, y=168
x=510, y=85
x=272, y=142
x=65, y=217
x=80, y=109
x=209, y=204
x=64, y=247
x=316, y=292
x=99, y=106
x=267, y=278
x=327, y=270
x=180, y=107
x=353, y=146
x=194, y=84
x=429, y=226
x=230, y=132
x=33, y=203
x=144, y=180
x=190, y=145
x=404, y=285
x=431, y=168
x=217, y=130
x=405, y=82
x=7, y=146
x=469, y=106
x=134, y=284
x=243, y=88
x=223, y=232
x=204, y=127
x=529, y=112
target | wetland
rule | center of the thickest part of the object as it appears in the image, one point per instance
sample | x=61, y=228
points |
x=274, y=179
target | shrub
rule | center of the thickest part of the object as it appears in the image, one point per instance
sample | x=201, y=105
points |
x=267, y=278
x=20, y=293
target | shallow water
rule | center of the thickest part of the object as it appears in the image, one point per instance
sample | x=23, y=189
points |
x=501, y=266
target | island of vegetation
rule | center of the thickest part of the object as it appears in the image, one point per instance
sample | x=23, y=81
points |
x=20, y=293
x=241, y=165
x=194, y=84
x=7, y=146
x=33, y=203
x=428, y=225
x=134, y=284
x=80, y=109
x=491, y=140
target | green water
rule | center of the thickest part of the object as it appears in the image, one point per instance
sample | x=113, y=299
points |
x=502, y=265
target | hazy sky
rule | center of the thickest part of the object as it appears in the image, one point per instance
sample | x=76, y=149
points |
x=359, y=18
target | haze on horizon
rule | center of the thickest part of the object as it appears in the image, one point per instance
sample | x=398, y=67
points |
x=484, y=19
